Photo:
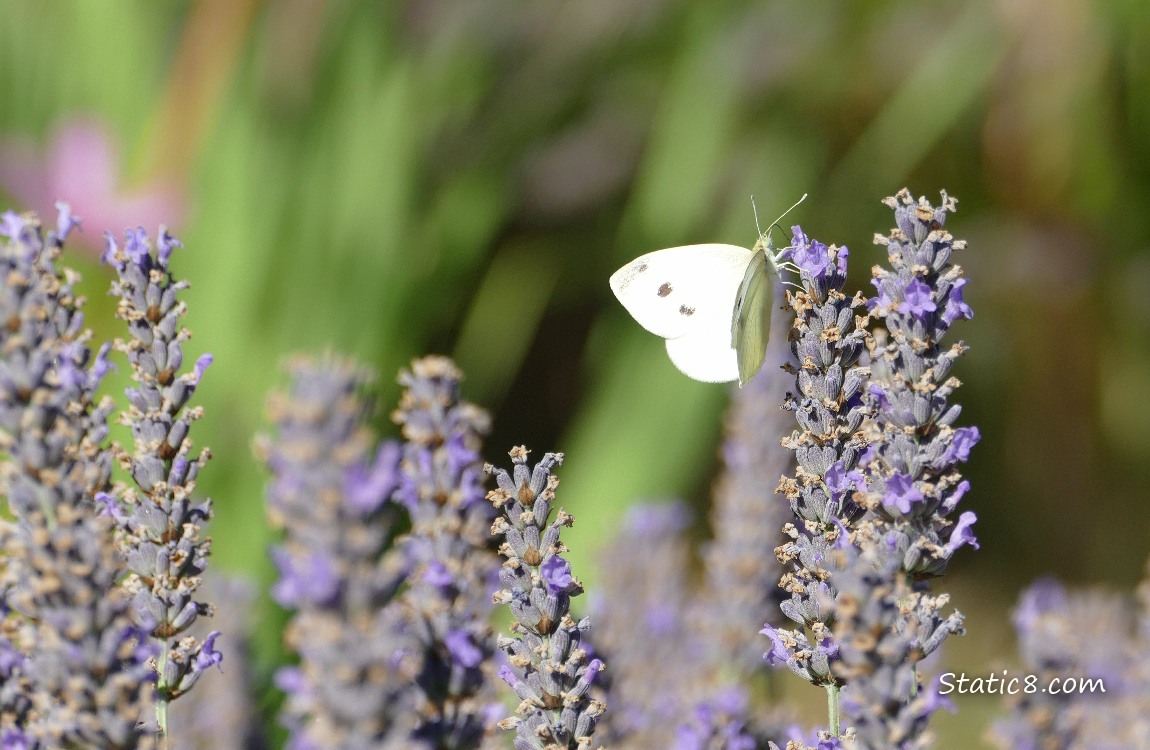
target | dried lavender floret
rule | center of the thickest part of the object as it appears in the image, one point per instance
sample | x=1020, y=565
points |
x=548, y=668
x=161, y=521
x=81, y=661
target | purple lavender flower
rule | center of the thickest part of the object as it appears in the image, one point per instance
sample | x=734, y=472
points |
x=549, y=669
x=741, y=573
x=83, y=679
x=444, y=610
x=349, y=688
x=956, y=308
x=873, y=520
x=821, y=268
x=901, y=493
x=163, y=524
x=224, y=716
x=913, y=482
x=670, y=685
x=556, y=573
x=916, y=299
x=961, y=442
x=812, y=258
x=829, y=407
x=1065, y=634
x=909, y=483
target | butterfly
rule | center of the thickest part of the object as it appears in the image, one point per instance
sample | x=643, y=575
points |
x=711, y=302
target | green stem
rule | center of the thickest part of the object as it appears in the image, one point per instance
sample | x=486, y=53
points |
x=162, y=693
x=833, y=710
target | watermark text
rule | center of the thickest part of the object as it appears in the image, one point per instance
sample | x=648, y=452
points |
x=1007, y=684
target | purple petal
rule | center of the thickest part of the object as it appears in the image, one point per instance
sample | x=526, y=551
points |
x=462, y=649
x=917, y=299
x=202, y=364
x=165, y=245
x=556, y=574
x=66, y=221
x=11, y=224
x=208, y=655
x=961, y=534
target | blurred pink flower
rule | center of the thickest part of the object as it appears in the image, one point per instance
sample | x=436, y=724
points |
x=81, y=165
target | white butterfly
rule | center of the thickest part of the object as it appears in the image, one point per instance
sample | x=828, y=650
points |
x=712, y=303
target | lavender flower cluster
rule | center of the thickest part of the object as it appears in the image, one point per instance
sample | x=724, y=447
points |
x=393, y=551
x=449, y=554
x=87, y=649
x=329, y=492
x=391, y=630
x=548, y=668
x=1085, y=670
x=160, y=520
x=877, y=479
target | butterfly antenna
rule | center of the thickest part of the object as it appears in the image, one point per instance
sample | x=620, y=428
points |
x=775, y=224
x=755, y=210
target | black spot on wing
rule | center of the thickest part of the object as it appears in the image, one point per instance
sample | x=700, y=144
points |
x=664, y=289
x=684, y=310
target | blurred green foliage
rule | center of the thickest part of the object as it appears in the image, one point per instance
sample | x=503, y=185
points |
x=389, y=179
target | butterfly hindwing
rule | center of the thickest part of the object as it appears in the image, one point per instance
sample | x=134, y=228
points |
x=751, y=316
x=704, y=352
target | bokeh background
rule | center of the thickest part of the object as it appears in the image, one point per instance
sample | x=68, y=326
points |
x=387, y=179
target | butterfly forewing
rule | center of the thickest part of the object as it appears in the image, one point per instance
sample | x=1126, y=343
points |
x=751, y=318
x=670, y=291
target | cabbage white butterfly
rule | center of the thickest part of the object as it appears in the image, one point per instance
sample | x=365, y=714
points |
x=712, y=303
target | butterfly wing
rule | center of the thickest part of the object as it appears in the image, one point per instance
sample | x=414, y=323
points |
x=665, y=290
x=704, y=352
x=751, y=318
